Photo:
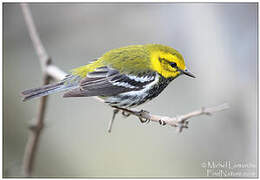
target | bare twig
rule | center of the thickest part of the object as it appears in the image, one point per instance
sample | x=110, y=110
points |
x=179, y=121
x=51, y=71
x=112, y=120
x=37, y=44
x=45, y=60
x=33, y=141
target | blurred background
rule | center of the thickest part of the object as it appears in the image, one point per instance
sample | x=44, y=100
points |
x=219, y=44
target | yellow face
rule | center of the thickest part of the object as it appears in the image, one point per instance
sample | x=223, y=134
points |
x=167, y=64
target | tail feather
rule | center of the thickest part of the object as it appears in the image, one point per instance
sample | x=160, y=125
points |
x=46, y=90
x=46, y=87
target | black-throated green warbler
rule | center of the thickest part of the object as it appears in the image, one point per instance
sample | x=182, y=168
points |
x=124, y=77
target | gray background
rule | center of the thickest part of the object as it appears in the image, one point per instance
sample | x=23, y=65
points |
x=219, y=44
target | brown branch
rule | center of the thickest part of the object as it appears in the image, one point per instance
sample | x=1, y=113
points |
x=33, y=141
x=51, y=71
x=37, y=44
x=45, y=60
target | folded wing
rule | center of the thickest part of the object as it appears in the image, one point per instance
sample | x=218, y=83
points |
x=106, y=81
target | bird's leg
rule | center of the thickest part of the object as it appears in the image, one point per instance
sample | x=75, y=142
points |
x=115, y=111
x=143, y=115
x=125, y=112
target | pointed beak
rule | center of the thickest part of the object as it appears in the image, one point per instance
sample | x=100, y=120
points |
x=188, y=73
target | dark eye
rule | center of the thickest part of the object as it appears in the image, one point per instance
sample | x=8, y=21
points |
x=173, y=64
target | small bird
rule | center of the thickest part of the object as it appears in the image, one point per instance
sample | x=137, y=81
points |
x=125, y=77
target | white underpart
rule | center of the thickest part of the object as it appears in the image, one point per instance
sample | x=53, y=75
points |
x=140, y=79
x=137, y=95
